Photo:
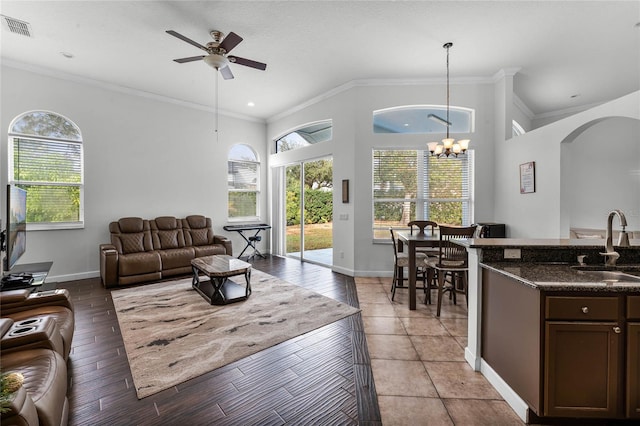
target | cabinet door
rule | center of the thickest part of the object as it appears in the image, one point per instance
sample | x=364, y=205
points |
x=633, y=370
x=582, y=369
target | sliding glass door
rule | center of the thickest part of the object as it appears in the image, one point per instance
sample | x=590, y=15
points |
x=309, y=210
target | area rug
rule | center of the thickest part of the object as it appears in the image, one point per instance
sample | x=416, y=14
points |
x=171, y=334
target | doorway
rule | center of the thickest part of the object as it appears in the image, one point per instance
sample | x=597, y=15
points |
x=309, y=211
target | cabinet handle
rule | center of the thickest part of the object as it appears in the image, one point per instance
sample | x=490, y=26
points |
x=585, y=310
x=617, y=330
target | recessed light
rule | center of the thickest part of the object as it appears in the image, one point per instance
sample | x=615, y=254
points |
x=637, y=25
x=251, y=104
x=575, y=96
x=67, y=55
x=406, y=124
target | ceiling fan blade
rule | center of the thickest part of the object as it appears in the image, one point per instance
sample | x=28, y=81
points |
x=247, y=62
x=189, y=59
x=230, y=41
x=226, y=73
x=188, y=40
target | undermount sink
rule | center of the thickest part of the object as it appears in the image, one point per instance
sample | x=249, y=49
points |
x=610, y=276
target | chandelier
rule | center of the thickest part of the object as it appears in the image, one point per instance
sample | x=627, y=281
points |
x=449, y=145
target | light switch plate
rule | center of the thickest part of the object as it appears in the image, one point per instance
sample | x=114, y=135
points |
x=512, y=254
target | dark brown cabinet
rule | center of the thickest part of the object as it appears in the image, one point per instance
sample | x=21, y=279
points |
x=582, y=364
x=633, y=357
x=581, y=370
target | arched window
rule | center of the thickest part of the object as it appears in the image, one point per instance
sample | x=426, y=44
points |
x=516, y=129
x=243, y=179
x=307, y=134
x=46, y=159
x=423, y=119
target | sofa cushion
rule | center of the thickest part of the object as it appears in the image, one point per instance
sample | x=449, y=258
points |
x=166, y=233
x=132, y=243
x=131, y=224
x=131, y=235
x=176, y=258
x=139, y=263
x=198, y=230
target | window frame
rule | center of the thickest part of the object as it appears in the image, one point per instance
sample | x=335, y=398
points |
x=309, y=129
x=420, y=202
x=231, y=190
x=12, y=139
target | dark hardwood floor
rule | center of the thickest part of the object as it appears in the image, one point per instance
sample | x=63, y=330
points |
x=320, y=378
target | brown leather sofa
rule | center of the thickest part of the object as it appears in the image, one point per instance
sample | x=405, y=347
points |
x=143, y=250
x=36, y=332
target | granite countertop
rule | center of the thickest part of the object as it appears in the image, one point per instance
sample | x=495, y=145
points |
x=565, y=277
x=539, y=243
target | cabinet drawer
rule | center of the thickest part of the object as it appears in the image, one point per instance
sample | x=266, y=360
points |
x=582, y=308
x=633, y=307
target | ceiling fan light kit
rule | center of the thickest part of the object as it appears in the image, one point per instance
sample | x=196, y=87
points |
x=449, y=145
x=216, y=61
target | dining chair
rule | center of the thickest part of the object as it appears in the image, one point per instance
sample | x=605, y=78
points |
x=452, y=262
x=401, y=260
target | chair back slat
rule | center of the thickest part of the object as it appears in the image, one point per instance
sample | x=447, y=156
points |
x=452, y=254
x=422, y=225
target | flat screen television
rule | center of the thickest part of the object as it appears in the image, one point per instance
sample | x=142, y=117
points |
x=16, y=225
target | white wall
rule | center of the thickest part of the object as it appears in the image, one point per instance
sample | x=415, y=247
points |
x=601, y=172
x=353, y=141
x=144, y=157
x=545, y=214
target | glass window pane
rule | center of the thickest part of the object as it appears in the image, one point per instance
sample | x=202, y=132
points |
x=47, y=161
x=242, y=175
x=411, y=184
x=52, y=204
x=306, y=135
x=242, y=152
x=46, y=124
x=415, y=119
x=242, y=204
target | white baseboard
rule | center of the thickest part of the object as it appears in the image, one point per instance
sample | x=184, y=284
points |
x=73, y=277
x=510, y=396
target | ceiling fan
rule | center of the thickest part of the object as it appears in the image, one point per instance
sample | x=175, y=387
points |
x=217, y=51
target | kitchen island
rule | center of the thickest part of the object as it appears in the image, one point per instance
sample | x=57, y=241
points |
x=555, y=338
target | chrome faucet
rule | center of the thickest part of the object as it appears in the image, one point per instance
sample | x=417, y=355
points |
x=610, y=255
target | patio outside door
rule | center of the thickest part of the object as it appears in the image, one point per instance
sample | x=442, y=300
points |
x=309, y=211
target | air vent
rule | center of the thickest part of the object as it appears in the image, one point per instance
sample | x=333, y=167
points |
x=17, y=26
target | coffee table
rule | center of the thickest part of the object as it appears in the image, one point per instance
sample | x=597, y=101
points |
x=219, y=290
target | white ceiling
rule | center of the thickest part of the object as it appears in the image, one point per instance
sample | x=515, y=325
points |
x=562, y=48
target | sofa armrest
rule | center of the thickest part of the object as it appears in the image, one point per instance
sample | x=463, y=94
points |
x=13, y=301
x=13, y=297
x=226, y=242
x=40, y=332
x=108, y=265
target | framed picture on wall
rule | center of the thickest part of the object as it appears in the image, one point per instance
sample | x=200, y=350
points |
x=528, y=177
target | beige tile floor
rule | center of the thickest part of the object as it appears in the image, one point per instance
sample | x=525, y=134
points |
x=418, y=363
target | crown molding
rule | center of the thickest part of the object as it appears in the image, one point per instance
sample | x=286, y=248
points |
x=377, y=83
x=523, y=107
x=505, y=72
x=123, y=89
x=567, y=111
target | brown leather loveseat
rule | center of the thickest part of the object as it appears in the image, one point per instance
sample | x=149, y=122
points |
x=144, y=250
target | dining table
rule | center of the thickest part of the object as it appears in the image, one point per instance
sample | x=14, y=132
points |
x=413, y=240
